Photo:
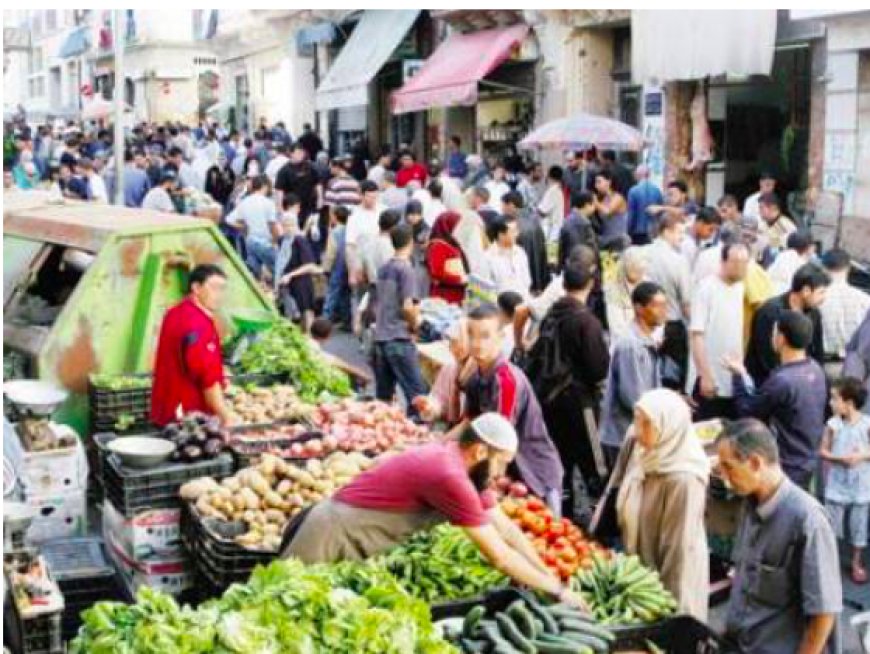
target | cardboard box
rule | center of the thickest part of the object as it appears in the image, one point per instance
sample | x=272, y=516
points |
x=58, y=516
x=171, y=575
x=54, y=472
x=150, y=534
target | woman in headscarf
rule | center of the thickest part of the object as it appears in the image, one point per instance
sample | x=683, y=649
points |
x=630, y=271
x=662, y=496
x=448, y=266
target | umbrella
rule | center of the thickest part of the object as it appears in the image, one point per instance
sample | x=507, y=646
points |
x=100, y=109
x=584, y=131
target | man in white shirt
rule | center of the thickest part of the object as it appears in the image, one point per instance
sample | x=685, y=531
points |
x=497, y=186
x=96, y=184
x=451, y=194
x=766, y=185
x=435, y=207
x=801, y=250
x=507, y=265
x=551, y=209
x=842, y=311
x=716, y=331
x=257, y=216
x=700, y=246
x=362, y=229
x=376, y=173
x=158, y=197
x=277, y=162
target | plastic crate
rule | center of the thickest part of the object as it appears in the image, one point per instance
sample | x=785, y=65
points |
x=85, y=576
x=679, y=635
x=131, y=490
x=39, y=635
x=494, y=601
x=108, y=406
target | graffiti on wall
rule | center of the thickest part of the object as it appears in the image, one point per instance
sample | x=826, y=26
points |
x=654, y=133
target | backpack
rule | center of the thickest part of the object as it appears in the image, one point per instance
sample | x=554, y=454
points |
x=547, y=369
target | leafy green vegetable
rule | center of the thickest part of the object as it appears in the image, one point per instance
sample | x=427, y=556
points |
x=441, y=564
x=286, y=607
x=284, y=349
x=120, y=382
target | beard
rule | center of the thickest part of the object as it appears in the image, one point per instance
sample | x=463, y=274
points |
x=481, y=475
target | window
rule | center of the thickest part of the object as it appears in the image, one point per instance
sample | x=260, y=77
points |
x=34, y=63
x=622, y=53
x=51, y=20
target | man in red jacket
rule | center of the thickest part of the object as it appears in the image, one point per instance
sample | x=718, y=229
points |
x=188, y=369
x=410, y=171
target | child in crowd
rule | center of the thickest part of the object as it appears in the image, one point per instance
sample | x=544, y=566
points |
x=414, y=217
x=846, y=446
x=508, y=301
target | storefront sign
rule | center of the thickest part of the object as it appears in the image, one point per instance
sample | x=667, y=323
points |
x=411, y=67
x=652, y=103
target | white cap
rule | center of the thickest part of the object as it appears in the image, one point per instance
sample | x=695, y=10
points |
x=495, y=430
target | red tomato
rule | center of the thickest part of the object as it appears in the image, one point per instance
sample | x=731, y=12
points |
x=534, y=504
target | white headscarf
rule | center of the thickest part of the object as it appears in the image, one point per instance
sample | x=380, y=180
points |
x=676, y=450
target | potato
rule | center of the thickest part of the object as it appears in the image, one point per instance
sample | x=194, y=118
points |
x=268, y=465
x=271, y=542
x=207, y=510
x=272, y=528
x=252, y=479
x=252, y=500
x=275, y=516
x=273, y=500
x=192, y=490
x=250, y=539
x=239, y=502
x=232, y=483
x=295, y=500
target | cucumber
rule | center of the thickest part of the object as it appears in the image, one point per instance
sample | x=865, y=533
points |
x=472, y=619
x=493, y=635
x=512, y=634
x=471, y=646
x=549, y=622
x=566, y=647
x=523, y=619
x=588, y=628
x=560, y=611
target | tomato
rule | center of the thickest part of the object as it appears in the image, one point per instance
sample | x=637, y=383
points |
x=510, y=508
x=565, y=569
x=549, y=559
x=557, y=530
x=539, y=527
x=536, y=505
x=540, y=545
x=568, y=555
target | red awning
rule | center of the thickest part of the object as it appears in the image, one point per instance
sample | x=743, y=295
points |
x=450, y=76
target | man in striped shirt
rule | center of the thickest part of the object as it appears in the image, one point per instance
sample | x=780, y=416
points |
x=342, y=189
x=842, y=311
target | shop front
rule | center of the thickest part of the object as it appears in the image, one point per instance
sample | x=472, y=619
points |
x=373, y=62
x=478, y=85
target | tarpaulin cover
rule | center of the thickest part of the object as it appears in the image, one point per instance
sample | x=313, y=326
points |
x=368, y=49
x=671, y=45
x=451, y=75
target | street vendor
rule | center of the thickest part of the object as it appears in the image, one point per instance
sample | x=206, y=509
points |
x=419, y=488
x=498, y=385
x=188, y=368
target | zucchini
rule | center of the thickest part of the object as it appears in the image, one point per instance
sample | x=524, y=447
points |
x=472, y=619
x=551, y=647
x=491, y=631
x=471, y=646
x=588, y=628
x=523, y=619
x=512, y=634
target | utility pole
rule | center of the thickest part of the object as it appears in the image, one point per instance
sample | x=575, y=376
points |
x=119, y=93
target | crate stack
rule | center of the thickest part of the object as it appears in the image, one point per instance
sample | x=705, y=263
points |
x=82, y=570
x=141, y=519
x=54, y=482
x=120, y=410
x=30, y=627
x=218, y=560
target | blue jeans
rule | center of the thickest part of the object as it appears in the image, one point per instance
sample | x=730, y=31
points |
x=259, y=254
x=336, y=306
x=398, y=362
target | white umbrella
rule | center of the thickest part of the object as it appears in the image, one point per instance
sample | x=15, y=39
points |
x=583, y=131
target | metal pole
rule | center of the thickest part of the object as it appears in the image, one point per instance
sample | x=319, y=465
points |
x=119, y=92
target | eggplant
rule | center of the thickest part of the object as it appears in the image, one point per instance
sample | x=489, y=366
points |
x=192, y=453
x=199, y=436
x=170, y=431
x=175, y=457
x=212, y=448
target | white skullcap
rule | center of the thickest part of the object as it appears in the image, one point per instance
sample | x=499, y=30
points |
x=495, y=430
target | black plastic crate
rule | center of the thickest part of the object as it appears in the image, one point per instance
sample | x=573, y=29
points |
x=108, y=407
x=39, y=635
x=85, y=576
x=131, y=490
x=679, y=635
x=494, y=601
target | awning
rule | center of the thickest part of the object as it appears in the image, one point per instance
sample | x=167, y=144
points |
x=692, y=44
x=76, y=43
x=451, y=75
x=373, y=41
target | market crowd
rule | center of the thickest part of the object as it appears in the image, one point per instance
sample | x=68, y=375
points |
x=603, y=316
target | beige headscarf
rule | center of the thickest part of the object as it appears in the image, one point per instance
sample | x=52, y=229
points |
x=677, y=450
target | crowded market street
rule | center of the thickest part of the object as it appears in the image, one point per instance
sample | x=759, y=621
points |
x=431, y=331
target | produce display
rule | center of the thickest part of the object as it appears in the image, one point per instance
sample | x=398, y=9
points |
x=196, y=436
x=294, y=441
x=620, y=590
x=441, y=564
x=371, y=426
x=286, y=607
x=265, y=497
x=560, y=543
x=283, y=349
x=528, y=627
x=256, y=405
x=120, y=382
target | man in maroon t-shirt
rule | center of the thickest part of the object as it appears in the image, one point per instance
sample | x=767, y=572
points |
x=421, y=487
x=188, y=368
x=410, y=171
